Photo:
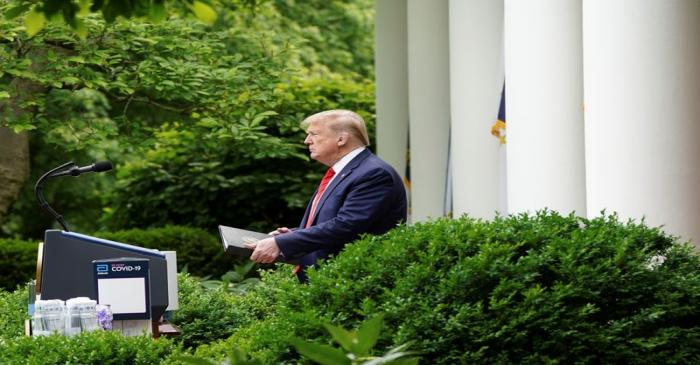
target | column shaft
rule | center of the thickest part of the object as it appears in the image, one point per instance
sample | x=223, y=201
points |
x=391, y=70
x=429, y=105
x=642, y=93
x=476, y=80
x=544, y=95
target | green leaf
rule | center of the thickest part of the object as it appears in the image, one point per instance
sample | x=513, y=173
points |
x=211, y=284
x=70, y=79
x=367, y=335
x=84, y=7
x=4, y=95
x=76, y=59
x=34, y=22
x=232, y=277
x=400, y=348
x=251, y=281
x=188, y=359
x=18, y=128
x=16, y=11
x=322, y=354
x=396, y=356
x=80, y=28
x=345, y=338
x=203, y=12
x=158, y=12
x=260, y=117
x=245, y=268
x=394, y=359
x=239, y=357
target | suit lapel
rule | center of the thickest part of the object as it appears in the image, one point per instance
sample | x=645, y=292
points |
x=308, y=211
x=347, y=170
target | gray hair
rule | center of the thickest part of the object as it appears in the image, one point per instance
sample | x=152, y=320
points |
x=341, y=120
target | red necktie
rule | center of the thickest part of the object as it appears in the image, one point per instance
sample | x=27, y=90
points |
x=321, y=188
x=314, y=204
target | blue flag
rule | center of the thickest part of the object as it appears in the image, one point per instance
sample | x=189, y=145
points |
x=498, y=129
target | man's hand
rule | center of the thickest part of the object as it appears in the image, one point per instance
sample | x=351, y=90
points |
x=281, y=230
x=264, y=251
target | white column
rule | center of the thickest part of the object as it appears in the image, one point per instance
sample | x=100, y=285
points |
x=642, y=93
x=544, y=111
x=429, y=105
x=476, y=80
x=391, y=70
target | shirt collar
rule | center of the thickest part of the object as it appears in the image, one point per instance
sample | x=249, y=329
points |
x=340, y=165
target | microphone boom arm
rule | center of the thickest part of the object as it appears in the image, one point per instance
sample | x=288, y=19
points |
x=39, y=194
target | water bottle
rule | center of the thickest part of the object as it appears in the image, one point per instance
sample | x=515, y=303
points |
x=52, y=315
x=73, y=311
x=88, y=316
x=38, y=327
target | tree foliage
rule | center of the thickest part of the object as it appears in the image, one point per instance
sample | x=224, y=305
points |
x=203, y=121
x=338, y=35
x=36, y=13
x=129, y=77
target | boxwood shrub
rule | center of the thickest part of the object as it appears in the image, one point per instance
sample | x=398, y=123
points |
x=17, y=262
x=199, y=250
x=543, y=288
x=207, y=315
x=540, y=288
x=87, y=348
x=13, y=312
x=204, y=316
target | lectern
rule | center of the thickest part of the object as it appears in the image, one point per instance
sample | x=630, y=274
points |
x=65, y=267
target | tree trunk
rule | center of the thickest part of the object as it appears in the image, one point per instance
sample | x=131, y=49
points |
x=14, y=166
x=14, y=147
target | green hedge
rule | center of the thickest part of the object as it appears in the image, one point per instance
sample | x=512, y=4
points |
x=524, y=289
x=199, y=250
x=87, y=348
x=207, y=315
x=204, y=316
x=17, y=262
x=13, y=312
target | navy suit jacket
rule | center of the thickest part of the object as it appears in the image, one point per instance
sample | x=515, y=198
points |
x=367, y=196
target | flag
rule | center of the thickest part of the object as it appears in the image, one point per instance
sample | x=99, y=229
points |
x=447, y=206
x=498, y=129
x=407, y=172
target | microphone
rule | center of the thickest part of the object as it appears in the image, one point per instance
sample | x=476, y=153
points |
x=99, y=166
x=67, y=168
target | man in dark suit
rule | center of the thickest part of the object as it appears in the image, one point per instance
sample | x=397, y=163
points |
x=359, y=194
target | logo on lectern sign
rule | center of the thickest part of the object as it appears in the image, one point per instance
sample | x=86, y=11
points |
x=123, y=283
x=105, y=269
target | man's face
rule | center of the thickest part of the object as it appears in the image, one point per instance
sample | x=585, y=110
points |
x=322, y=142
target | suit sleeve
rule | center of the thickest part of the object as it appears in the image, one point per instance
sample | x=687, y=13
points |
x=370, y=197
